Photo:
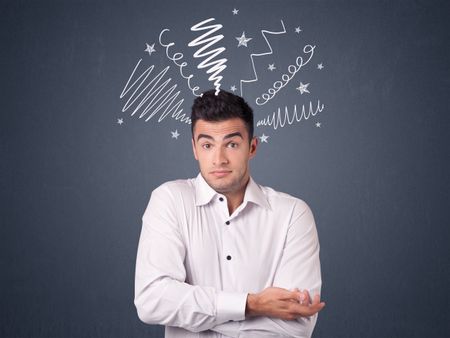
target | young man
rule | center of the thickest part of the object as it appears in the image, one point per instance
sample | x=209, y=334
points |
x=219, y=255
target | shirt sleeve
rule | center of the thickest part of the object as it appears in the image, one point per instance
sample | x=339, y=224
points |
x=161, y=294
x=299, y=268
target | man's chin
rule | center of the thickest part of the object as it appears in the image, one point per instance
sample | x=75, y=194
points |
x=220, y=188
x=220, y=185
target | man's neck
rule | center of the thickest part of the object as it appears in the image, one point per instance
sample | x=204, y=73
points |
x=235, y=199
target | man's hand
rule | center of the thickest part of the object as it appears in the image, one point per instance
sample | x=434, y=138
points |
x=283, y=304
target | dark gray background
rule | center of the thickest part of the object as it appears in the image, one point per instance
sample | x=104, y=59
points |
x=74, y=184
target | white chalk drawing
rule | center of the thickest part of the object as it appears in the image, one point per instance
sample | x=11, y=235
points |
x=151, y=93
x=263, y=138
x=303, y=88
x=263, y=33
x=292, y=69
x=243, y=40
x=150, y=49
x=175, y=58
x=153, y=90
x=175, y=134
x=217, y=66
x=279, y=119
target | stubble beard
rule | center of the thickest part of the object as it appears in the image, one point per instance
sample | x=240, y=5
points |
x=234, y=186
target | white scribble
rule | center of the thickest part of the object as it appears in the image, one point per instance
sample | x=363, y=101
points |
x=303, y=88
x=271, y=67
x=264, y=138
x=235, y=11
x=217, y=66
x=320, y=66
x=297, y=30
x=292, y=69
x=150, y=49
x=175, y=57
x=152, y=90
x=279, y=119
x=119, y=121
x=243, y=40
x=233, y=88
x=175, y=134
x=318, y=124
x=263, y=33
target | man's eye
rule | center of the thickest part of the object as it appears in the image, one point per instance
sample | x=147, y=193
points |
x=206, y=146
x=232, y=145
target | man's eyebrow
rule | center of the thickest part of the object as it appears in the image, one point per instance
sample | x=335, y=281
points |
x=205, y=136
x=233, y=135
x=225, y=137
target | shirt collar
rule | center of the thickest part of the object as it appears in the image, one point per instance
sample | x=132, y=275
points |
x=204, y=193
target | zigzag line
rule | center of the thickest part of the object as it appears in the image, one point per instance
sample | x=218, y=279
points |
x=261, y=54
x=216, y=66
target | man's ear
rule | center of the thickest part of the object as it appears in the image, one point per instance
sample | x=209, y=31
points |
x=253, y=146
x=193, y=149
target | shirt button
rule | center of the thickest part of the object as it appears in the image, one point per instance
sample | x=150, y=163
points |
x=229, y=257
x=221, y=199
x=227, y=222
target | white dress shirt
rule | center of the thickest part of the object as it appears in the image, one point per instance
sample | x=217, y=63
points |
x=196, y=263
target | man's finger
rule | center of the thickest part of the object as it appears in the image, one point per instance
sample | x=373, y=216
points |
x=288, y=295
x=304, y=297
x=316, y=299
x=309, y=310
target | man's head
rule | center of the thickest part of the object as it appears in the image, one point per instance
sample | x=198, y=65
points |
x=223, y=106
x=222, y=140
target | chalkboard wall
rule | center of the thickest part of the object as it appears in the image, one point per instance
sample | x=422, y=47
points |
x=351, y=107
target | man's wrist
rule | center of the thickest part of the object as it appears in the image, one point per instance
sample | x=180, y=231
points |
x=251, y=305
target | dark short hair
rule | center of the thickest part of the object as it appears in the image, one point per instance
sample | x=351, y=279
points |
x=221, y=107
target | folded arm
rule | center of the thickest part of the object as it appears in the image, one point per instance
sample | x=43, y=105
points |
x=277, y=311
x=161, y=294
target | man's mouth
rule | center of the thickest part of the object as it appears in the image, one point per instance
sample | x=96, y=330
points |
x=220, y=173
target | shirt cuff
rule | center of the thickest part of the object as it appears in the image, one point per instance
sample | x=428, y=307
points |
x=230, y=306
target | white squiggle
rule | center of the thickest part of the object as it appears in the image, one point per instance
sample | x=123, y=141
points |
x=217, y=66
x=158, y=101
x=263, y=31
x=175, y=57
x=292, y=69
x=278, y=119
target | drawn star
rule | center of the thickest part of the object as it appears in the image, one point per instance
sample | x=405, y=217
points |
x=243, y=40
x=175, y=134
x=264, y=138
x=318, y=124
x=235, y=11
x=320, y=66
x=298, y=30
x=303, y=88
x=150, y=49
x=120, y=121
x=233, y=88
x=272, y=67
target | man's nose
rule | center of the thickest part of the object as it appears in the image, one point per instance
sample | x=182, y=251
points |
x=220, y=156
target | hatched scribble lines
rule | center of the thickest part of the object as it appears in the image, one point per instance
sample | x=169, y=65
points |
x=263, y=33
x=151, y=97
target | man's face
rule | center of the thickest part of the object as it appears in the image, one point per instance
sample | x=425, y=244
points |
x=223, y=151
